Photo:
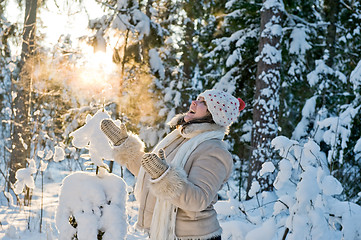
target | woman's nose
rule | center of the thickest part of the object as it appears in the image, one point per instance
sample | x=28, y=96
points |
x=194, y=102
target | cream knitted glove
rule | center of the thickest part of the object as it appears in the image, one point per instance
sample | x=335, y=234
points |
x=154, y=164
x=113, y=132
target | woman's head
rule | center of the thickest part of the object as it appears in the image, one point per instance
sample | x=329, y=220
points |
x=223, y=107
x=197, y=110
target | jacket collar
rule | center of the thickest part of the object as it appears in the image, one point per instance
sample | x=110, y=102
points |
x=192, y=130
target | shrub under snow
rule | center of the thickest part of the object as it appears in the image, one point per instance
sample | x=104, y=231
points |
x=91, y=206
x=306, y=207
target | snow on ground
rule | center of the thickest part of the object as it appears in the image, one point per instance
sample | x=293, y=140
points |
x=304, y=204
x=14, y=220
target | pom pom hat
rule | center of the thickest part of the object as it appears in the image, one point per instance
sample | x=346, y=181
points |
x=223, y=106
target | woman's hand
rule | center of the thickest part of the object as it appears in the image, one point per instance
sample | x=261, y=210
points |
x=113, y=132
x=154, y=164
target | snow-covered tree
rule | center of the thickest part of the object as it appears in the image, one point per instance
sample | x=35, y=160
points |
x=7, y=30
x=307, y=206
x=21, y=103
x=266, y=105
x=331, y=104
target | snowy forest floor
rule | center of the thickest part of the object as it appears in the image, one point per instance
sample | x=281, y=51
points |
x=24, y=222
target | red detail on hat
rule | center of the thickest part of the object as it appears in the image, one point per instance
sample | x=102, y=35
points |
x=210, y=94
x=220, y=109
x=242, y=104
x=211, y=99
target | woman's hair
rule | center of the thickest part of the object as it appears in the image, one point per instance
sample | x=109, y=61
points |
x=207, y=119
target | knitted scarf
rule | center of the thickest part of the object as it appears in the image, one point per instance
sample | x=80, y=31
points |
x=164, y=214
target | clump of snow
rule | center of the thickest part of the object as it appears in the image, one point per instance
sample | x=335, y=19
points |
x=121, y=22
x=357, y=149
x=321, y=71
x=24, y=177
x=140, y=21
x=49, y=155
x=307, y=111
x=267, y=167
x=284, y=175
x=59, y=154
x=91, y=136
x=235, y=56
x=331, y=186
x=355, y=78
x=268, y=4
x=43, y=166
x=227, y=82
x=299, y=43
x=40, y=154
x=270, y=55
x=307, y=190
x=96, y=204
x=255, y=187
x=122, y=4
x=283, y=144
x=156, y=63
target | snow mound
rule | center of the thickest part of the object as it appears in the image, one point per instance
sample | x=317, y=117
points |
x=90, y=206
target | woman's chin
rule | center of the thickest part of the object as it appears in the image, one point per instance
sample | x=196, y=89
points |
x=187, y=118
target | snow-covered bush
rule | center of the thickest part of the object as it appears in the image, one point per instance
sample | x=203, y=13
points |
x=303, y=205
x=306, y=207
x=92, y=207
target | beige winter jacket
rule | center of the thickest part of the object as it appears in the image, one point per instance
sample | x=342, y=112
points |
x=193, y=190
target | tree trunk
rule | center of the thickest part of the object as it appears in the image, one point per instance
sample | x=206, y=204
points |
x=265, y=110
x=188, y=57
x=331, y=13
x=21, y=103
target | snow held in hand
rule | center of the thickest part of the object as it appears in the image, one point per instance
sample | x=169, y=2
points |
x=90, y=206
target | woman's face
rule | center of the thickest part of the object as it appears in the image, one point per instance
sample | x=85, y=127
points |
x=197, y=110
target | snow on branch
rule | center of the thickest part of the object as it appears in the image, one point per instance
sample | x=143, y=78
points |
x=307, y=206
x=90, y=136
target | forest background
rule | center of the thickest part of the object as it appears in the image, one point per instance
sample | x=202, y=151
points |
x=296, y=64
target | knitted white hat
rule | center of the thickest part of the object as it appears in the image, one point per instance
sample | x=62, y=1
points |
x=223, y=106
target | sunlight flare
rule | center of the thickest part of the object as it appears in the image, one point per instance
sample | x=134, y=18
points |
x=96, y=73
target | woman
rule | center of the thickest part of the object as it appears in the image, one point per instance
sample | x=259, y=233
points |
x=177, y=183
